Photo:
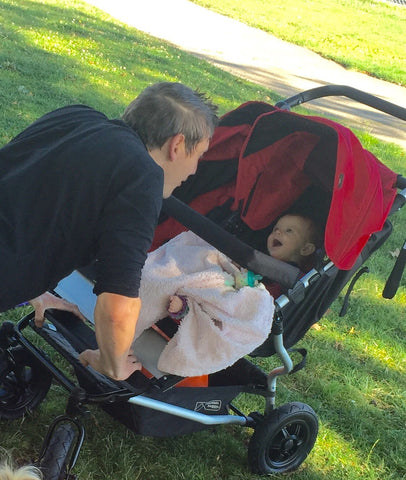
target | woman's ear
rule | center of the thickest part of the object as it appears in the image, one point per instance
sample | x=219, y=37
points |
x=308, y=249
x=176, y=145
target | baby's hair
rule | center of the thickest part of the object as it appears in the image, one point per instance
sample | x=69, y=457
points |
x=27, y=472
x=316, y=230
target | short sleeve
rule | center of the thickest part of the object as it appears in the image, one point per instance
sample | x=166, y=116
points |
x=126, y=229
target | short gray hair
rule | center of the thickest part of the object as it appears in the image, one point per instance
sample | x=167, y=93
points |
x=166, y=109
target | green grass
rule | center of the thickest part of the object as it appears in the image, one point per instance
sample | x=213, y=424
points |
x=364, y=35
x=53, y=54
x=56, y=52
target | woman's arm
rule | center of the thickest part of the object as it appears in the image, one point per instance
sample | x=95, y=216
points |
x=115, y=320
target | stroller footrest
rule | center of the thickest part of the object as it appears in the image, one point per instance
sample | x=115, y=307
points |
x=55, y=337
x=78, y=336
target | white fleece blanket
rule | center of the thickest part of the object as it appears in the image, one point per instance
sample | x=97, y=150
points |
x=223, y=324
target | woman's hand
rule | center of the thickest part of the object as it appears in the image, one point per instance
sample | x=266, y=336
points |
x=94, y=359
x=46, y=301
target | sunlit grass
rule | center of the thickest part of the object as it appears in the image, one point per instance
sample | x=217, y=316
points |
x=371, y=338
x=359, y=34
x=82, y=58
x=337, y=454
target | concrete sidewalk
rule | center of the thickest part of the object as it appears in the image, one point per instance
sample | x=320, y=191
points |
x=261, y=58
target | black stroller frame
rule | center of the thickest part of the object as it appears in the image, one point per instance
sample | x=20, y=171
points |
x=283, y=436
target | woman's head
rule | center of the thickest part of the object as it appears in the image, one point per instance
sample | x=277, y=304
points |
x=166, y=109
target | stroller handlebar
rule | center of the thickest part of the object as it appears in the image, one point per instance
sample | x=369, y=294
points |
x=345, y=91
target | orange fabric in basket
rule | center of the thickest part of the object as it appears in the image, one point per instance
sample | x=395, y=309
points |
x=202, y=381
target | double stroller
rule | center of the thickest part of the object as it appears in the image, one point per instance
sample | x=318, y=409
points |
x=263, y=161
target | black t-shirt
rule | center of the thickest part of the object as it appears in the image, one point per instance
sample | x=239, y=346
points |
x=75, y=187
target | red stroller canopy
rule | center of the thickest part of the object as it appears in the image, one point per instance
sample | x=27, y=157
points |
x=280, y=154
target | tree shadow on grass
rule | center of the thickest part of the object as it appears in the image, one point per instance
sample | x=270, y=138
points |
x=53, y=56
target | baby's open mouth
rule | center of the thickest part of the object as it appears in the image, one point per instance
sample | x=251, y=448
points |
x=276, y=243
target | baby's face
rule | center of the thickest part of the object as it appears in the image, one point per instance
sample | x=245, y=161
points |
x=289, y=236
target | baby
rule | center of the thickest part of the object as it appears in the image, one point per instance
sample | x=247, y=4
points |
x=294, y=239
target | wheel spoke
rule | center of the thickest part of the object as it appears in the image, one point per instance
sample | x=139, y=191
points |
x=287, y=443
x=301, y=434
x=296, y=428
x=285, y=432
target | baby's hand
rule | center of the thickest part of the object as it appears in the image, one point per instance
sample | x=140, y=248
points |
x=175, y=304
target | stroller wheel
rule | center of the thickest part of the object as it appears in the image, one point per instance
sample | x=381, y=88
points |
x=24, y=382
x=56, y=459
x=283, y=440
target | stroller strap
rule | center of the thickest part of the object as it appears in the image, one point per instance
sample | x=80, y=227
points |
x=345, y=305
x=302, y=363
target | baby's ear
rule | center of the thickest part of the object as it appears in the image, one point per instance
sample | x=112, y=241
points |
x=308, y=249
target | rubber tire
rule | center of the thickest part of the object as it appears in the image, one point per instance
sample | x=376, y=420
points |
x=23, y=386
x=283, y=440
x=55, y=461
